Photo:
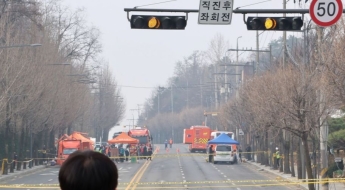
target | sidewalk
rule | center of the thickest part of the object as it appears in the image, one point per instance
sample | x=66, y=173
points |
x=21, y=172
x=332, y=186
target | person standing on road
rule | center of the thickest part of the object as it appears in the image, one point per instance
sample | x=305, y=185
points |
x=240, y=153
x=210, y=154
x=14, y=159
x=278, y=156
x=170, y=142
x=149, y=153
x=166, y=144
x=145, y=152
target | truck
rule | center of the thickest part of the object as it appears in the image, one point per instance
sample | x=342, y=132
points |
x=69, y=144
x=142, y=134
x=197, y=138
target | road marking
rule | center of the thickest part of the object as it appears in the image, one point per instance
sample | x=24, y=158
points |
x=120, y=168
x=224, y=175
x=136, y=174
x=141, y=175
x=238, y=188
x=228, y=179
x=221, y=172
x=183, y=177
x=233, y=183
x=50, y=179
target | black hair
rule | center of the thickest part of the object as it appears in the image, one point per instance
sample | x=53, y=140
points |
x=88, y=170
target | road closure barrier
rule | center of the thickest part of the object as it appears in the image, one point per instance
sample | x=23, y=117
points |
x=224, y=183
x=166, y=154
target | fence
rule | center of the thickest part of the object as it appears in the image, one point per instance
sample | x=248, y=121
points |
x=14, y=165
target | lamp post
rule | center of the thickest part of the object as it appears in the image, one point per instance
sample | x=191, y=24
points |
x=22, y=45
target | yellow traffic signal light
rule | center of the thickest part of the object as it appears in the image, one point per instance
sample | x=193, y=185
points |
x=158, y=22
x=154, y=23
x=274, y=23
x=270, y=23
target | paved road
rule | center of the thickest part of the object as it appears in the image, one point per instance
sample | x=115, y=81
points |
x=49, y=177
x=187, y=171
x=182, y=169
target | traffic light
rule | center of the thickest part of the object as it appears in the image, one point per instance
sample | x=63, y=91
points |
x=158, y=22
x=275, y=23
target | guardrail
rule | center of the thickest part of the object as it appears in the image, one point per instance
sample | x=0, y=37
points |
x=15, y=165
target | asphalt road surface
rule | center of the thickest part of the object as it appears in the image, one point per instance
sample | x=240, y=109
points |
x=172, y=169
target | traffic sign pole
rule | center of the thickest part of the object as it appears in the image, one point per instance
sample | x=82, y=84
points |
x=326, y=13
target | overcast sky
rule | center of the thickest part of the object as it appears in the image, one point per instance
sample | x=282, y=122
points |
x=146, y=58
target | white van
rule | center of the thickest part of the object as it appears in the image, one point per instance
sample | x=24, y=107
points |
x=224, y=153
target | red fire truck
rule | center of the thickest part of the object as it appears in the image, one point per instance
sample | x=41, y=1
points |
x=197, y=138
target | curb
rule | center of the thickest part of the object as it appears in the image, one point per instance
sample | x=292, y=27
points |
x=20, y=173
x=271, y=172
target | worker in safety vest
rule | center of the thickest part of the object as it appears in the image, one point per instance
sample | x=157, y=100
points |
x=170, y=142
x=278, y=156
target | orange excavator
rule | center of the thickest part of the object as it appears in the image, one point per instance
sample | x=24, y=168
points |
x=69, y=144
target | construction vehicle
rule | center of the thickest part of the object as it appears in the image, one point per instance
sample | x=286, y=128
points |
x=197, y=138
x=69, y=144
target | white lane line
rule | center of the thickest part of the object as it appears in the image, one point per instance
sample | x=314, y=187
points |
x=183, y=177
x=50, y=179
x=238, y=188
x=182, y=174
x=221, y=173
x=120, y=168
x=229, y=179
x=224, y=175
x=233, y=183
x=184, y=181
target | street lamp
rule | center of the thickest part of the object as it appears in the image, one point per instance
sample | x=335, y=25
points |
x=22, y=45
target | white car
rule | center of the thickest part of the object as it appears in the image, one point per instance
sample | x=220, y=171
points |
x=224, y=153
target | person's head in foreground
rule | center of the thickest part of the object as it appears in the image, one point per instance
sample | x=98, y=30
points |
x=88, y=170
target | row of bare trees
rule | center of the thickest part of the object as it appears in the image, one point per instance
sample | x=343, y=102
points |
x=52, y=89
x=284, y=105
x=288, y=104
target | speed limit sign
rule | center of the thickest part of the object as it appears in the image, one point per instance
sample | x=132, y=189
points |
x=325, y=12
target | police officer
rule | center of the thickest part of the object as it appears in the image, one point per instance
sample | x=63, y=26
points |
x=210, y=154
x=278, y=156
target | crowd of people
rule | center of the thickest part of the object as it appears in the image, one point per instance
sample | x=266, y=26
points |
x=121, y=153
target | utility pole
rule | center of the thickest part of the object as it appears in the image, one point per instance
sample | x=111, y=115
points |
x=237, y=69
x=215, y=87
x=257, y=52
x=225, y=84
x=201, y=100
x=159, y=92
x=172, y=111
x=284, y=38
x=250, y=50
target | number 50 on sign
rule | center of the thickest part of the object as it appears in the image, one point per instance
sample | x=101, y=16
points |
x=326, y=12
